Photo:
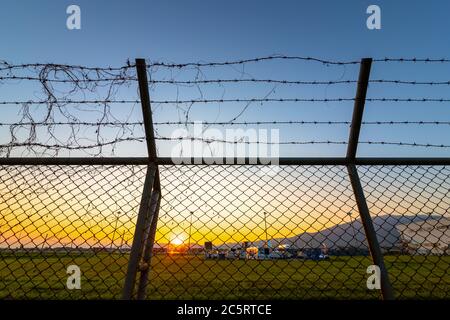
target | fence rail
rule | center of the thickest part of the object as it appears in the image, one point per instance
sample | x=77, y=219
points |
x=207, y=228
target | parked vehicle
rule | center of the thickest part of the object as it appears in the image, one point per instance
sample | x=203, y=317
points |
x=276, y=254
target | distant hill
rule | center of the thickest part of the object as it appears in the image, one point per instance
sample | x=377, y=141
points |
x=350, y=234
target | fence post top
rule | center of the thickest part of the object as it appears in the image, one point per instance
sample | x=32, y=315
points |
x=140, y=61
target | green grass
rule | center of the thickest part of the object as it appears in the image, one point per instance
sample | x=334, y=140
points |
x=43, y=276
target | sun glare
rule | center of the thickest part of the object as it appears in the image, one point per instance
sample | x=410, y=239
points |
x=177, y=240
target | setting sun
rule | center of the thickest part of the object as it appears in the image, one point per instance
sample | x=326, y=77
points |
x=177, y=240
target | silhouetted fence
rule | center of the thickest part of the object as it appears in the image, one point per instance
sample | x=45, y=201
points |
x=150, y=227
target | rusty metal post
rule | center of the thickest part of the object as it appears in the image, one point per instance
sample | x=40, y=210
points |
x=374, y=246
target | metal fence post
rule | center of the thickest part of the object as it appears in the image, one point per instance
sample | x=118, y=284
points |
x=141, y=69
x=151, y=186
x=148, y=246
x=358, y=110
x=138, y=239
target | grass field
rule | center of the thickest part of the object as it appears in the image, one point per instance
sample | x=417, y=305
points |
x=42, y=276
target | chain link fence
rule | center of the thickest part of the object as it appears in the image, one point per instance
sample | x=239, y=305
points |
x=52, y=217
x=141, y=225
x=240, y=232
x=224, y=231
x=410, y=206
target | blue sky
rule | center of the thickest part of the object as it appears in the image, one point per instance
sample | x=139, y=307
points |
x=181, y=31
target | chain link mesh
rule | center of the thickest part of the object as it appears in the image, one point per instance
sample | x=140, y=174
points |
x=290, y=233
x=224, y=231
x=410, y=207
x=52, y=217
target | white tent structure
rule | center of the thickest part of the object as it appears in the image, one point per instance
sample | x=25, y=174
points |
x=426, y=237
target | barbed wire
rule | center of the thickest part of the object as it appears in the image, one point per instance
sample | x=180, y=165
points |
x=70, y=83
x=300, y=58
x=76, y=147
x=296, y=142
x=95, y=124
x=410, y=82
x=407, y=99
x=205, y=101
x=406, y=122
x=235, y=80
x=246, y=61
x=65, y=102
x=188, y=101
x=7, y=66
x=298, y=82
x=225, y=123
x=302, y=122
x=69, y=80
x=4, y=65
x=213, y=140
x=65, y=88
x=408, y=144
x=57, y=147
x=426, y=60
